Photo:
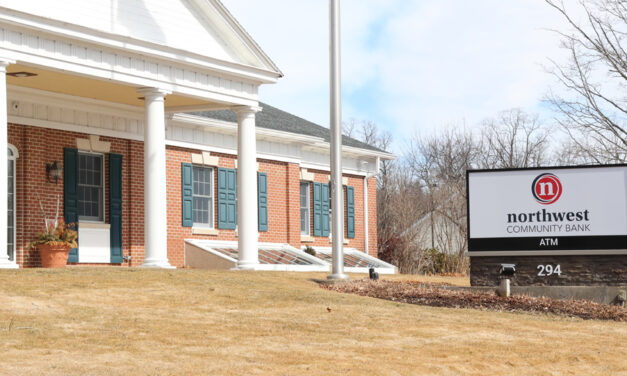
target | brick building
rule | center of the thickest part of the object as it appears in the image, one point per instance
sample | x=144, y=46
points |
x=141, y=123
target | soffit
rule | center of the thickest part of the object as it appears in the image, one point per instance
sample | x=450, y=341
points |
x=58, y=82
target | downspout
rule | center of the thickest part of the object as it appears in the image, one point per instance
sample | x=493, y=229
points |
x=368, y=176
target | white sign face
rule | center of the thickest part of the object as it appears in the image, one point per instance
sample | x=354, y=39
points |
x=548, y=209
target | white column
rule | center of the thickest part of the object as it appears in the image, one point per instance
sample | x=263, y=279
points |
x=155, y=195
x=247, y=224
x=4, y=255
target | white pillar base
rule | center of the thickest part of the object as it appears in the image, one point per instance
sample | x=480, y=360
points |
x=338, y=276
x=157, y=265
x=246, y=266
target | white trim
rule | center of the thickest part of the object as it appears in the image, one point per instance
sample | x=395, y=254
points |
x=233, y=152
x=104, y=188
x=231, y=128
x=196, y=230
x=75, y=33
x=93, y=224
x=14, y=158
x=19, y=120
x=77, y=69
x=306, y=236
x=103, y=118
x=325, y=168
x=204, y=226
x=16, y=153
x=311, y=142
x=591, y=252
x=246, y=38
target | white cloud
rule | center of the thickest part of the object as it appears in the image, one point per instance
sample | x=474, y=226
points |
x=408, y=65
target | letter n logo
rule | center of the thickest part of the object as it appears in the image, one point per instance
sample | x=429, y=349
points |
x=546, y=188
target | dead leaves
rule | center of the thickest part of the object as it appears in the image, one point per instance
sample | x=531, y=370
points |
x=435, y=295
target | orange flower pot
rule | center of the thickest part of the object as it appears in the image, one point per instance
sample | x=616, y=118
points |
x=54, y=256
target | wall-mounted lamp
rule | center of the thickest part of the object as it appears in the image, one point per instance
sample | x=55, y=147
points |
x=53, y=172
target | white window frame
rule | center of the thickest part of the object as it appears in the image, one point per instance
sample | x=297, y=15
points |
x=104, y=188
x=14, y=158
x=308, y=233
x=213, y=199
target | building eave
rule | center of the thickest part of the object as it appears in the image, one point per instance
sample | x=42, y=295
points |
x=310, y=142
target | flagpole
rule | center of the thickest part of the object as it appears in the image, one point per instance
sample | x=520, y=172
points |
x=337, y=190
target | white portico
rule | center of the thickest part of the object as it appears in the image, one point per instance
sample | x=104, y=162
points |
x=160, y=56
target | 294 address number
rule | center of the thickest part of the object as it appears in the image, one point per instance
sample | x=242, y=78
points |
x=549, y=270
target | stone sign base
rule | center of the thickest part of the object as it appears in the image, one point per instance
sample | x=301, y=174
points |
x=598, y=270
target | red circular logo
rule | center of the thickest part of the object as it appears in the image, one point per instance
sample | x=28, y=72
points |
x=546, y=188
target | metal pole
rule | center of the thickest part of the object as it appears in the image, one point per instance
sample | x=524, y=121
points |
x=337, y=202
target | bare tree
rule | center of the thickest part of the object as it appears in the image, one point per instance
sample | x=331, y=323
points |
x=594, y=114
x=400, y=203
x=439, y=163
x=513, y=139
x=368, y=132
x=348, y=127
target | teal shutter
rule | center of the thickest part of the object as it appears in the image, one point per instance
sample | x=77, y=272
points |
x=115, y=207
x=262, y=201
x=324, y=209
x=321, y=209
x=350, y=212
x=70, y=193
x=188, y=194
x=227, y=198
x=317, y=212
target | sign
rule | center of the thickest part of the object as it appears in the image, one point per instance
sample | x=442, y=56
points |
x=562, y=210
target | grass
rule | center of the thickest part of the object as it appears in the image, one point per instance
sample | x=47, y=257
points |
x=110, y=321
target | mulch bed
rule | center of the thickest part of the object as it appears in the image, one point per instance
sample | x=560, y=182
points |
x=434, y=295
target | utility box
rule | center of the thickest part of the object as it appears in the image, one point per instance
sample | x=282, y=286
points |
x=559, y=226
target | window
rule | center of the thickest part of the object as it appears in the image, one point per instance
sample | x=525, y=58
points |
x=90, y=187
x=304, y=208
x=203, y=196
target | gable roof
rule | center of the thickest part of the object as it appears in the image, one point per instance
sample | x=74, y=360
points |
x=245, y=36
x=189, y=31
x=273, y=118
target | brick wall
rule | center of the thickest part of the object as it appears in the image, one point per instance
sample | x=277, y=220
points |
x=357, y=182
x=38, y=146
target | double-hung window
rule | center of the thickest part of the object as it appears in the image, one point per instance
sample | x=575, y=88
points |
x=304, y=208
x=90, y=187
x=203, y=196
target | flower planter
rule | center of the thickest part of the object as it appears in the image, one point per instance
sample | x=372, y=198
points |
x=54, y=256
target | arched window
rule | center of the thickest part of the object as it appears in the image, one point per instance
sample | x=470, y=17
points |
x=12, y=156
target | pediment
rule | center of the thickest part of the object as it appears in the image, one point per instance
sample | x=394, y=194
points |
x=200, y=27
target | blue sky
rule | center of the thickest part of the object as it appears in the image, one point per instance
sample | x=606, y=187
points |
x=411, y=66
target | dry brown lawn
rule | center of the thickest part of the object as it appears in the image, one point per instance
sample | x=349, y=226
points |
x=110, y=321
